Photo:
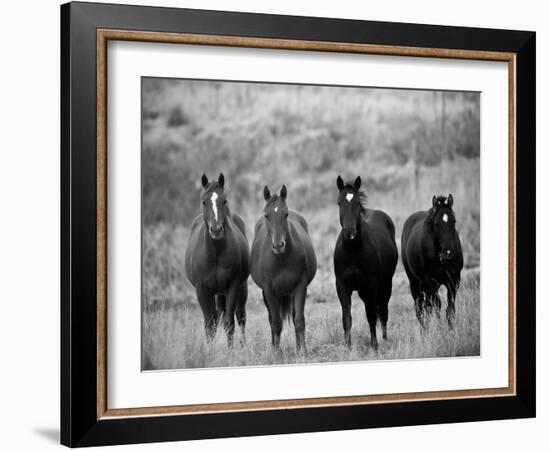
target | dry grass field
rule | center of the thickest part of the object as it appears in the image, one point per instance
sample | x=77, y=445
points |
x=174, y=335
x=406, y=145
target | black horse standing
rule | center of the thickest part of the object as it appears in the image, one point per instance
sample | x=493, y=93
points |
x=365, y=258
x=432, y=256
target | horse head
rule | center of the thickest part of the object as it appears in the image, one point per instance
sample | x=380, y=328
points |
x=442, y=221
x=214, y=206
x=276, y=219
x=350, y=202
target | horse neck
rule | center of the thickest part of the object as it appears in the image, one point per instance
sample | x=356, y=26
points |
x=428, y=229
x=363, y=234
x=289, y=238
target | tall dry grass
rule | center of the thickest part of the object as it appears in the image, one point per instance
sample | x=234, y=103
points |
x=174, y=337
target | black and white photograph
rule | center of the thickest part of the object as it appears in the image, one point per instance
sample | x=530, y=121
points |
x=299, y=224
x=275, y=225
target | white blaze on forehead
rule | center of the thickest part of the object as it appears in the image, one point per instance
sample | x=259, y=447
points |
x=445, y=218
x=276, y=209
x=214, y=206
x=349, y=196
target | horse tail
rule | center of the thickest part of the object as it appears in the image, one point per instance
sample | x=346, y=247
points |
x=287, y=307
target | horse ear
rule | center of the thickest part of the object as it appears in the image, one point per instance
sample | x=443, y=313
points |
x=204, y=180
x=357, y=183
x=450, y=200
x=267, y=194
x=283, y=192
x=340, y=183
x=434, y=201
x=221, y=180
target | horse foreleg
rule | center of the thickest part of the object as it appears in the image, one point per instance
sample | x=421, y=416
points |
x=229, y=313
x=419, y=310
x=345, y=301
x=430, y=297
x=383, y=309
x=298, y=317
x=220, y=306
x=371, y=306
x=418, y=298
x=452, y=289
x=240, y=310
x=275, y=319
x=437, y=304
x=428, y=304
x=208, y=307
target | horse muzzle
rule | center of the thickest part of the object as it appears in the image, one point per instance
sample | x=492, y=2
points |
x=216, y=232
x=349, y=234
x=279, y=248
x=445, y=255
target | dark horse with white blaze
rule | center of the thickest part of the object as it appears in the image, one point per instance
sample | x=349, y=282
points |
x=432, y=256
x=283, y=263
x=216, y=261
x=365, y=258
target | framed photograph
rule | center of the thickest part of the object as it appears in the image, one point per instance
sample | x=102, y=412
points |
x=277, y=224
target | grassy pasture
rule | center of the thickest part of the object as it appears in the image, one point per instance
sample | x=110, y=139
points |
x=174, y=335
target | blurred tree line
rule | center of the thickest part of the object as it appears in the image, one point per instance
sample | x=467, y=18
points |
x=303, y=136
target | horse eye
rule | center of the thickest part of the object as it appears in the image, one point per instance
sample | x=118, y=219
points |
x=286, y=215
x=204, y=203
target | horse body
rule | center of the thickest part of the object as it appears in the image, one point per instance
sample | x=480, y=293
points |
x=431, y=261
x=283, y=276
x=218, y=268
x=365, y=258
x=371, y=258
x=281, y=273
x=216, y=264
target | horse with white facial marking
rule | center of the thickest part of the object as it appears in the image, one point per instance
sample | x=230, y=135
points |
x=432, y=256
x=216, y=261
x=283, y=263
x=365, y=258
